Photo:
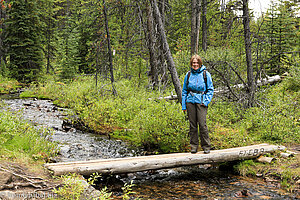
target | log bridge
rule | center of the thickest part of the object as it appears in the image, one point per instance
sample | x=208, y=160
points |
x=154, y=162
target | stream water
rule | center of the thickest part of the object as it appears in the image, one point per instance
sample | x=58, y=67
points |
x=195, y=182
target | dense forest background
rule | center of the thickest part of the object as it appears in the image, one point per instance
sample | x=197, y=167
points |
x=149, y=41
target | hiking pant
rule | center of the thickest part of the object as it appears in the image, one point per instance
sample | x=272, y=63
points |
x=197, y=116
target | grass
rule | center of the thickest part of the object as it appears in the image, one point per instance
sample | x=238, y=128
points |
x=284, y=171
x=8, y=85
x=160, y=126
x=23, y=146
x=20, y=139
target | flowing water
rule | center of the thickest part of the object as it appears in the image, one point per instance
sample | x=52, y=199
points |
x=195, y=182
x=74, y=144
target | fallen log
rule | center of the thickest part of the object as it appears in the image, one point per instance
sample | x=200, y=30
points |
x=153, y=162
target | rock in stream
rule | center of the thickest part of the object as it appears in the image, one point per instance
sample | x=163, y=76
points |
x=74, y=144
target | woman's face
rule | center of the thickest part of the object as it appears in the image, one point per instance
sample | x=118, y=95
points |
x=195, y=64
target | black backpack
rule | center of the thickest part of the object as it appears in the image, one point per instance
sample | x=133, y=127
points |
x=204, y=76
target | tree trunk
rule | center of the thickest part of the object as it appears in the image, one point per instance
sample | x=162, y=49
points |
x=150, y=35
x=154, y=162
x=204, y=25
x=250, y=77
x=195, y=26
x=109, y=49
x=2, y=16
x=166, y=49
x=48, y=45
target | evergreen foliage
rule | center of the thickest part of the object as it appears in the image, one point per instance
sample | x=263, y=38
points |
x=280, y=36
x=73, y=38
x=47, y=15
x=68, y=35
x=23, y=41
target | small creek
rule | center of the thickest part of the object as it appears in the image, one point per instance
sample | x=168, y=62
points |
x=195, y=182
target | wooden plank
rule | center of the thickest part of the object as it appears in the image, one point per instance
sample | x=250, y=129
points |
x=153, y=162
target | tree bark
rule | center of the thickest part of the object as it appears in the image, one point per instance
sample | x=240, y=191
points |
x=150, y=35
x=154, y=162
x=195, y=26
x=109, y=49
x=204, y=25
x=250, y=77
x=166, y=49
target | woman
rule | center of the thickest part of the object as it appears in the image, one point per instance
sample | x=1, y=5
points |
x=197, y=93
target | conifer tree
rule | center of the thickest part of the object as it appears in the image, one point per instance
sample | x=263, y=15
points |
x=68, y=35
x=47, y=15
x=23, y=41
x=280, y=35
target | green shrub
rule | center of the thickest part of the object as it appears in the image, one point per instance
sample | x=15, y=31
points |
x=277, y=119
x=292, y=81
x=21, y=138
x=159, y=125
x=8, y=85
x=72, y=188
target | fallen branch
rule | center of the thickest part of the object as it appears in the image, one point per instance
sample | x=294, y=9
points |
x=26, y=181
x=17, y=185
x=265, y=81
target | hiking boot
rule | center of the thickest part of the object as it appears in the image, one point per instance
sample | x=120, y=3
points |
x=194, y=148
x=206, y=151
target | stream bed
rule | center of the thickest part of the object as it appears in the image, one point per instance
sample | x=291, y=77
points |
x=194, y=182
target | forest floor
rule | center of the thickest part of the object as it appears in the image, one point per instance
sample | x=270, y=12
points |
x=18, y=181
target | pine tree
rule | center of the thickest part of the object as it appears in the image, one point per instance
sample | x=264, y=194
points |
x=68, y=34
x=280, y=35
x=23, y=41
x=47, y=15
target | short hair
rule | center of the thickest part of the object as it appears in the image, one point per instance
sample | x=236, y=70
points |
x=198, y=59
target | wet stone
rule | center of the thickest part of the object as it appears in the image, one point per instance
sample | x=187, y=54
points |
x=74, y=144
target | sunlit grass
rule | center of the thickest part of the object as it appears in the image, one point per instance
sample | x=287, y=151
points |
x=159, y=125
x=8, y=85
x=20, y=139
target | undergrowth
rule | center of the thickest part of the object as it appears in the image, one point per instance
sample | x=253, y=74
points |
x=8, y=85
x=284, y=171
x=136, y=115
x=75, y=188
x=21, y=140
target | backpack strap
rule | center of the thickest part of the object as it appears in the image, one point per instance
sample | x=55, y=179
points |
x=187, y=81
x=204, y=77
x=205, y=80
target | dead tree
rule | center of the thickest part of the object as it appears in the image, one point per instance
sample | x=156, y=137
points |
x=157, y=73
x=204, y=25
x=250, y=77
x=109, y=48
x=195, y=26
x=166, y=49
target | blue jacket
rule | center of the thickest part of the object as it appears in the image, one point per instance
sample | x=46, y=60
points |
x=197, y=84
